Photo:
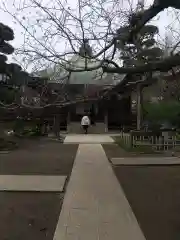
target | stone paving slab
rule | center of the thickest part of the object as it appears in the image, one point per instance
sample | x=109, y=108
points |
x=95, y=207
x=89, y=138
x=32, y=183
x=146, y=161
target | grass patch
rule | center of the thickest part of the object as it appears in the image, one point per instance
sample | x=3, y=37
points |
x=137, y=149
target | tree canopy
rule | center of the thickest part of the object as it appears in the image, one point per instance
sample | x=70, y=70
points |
x=63, y=24
x=47, y=27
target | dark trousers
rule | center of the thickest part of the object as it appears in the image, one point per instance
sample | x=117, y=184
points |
x=85, y=128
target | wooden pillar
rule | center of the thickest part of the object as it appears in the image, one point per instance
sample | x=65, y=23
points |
x=106, y=121
x=69, y=121
x=57, y=125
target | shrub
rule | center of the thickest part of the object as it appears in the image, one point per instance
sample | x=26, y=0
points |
x=163, y=112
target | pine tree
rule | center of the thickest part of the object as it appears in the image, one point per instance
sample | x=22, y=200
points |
x=143, y=49
x=6, y=34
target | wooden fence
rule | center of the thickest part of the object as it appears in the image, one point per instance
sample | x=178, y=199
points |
x=159, y=141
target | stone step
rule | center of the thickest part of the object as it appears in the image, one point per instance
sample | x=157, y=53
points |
x=32, y=183
x=75, y=127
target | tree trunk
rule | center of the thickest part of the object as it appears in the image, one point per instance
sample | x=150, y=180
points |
x=57, y=125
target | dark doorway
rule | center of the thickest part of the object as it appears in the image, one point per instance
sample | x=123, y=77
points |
x=119, y=113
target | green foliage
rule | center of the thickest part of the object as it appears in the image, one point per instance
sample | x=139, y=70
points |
x=27, y=129
x=144, y=49
x=119, y=141
x=6, y=145
x=6, y=34
x=7, y=96
x=6, y=48
x=163, y=112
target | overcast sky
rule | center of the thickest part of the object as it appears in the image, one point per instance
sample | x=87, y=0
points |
x=163, y=20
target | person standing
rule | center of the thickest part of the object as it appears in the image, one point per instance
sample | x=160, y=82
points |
x=85, y=122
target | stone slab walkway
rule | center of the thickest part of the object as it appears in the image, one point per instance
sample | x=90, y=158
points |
x=146, y=161
x=95, y=207
x=32, y=183
x=89, y=138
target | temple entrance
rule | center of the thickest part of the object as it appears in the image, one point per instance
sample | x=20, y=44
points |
x=96, y=114
x=84, y=108
x=119, y=113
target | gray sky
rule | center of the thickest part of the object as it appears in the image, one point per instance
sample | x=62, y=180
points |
x=163, y=21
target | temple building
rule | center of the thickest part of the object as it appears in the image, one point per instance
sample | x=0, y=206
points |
x=110, y=113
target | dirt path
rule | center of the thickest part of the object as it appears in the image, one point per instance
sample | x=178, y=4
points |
x=33, y=215
x=154, y=195
x=46, y=158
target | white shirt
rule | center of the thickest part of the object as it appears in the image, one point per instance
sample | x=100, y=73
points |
x=85, y=121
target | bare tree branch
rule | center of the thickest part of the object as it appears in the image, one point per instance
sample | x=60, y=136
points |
x=163, y=66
